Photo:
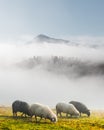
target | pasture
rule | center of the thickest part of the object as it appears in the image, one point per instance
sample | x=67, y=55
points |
x=94, y=122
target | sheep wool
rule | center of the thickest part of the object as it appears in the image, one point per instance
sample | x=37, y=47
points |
x=20, y=106
x=43, y=111
x=66, y=108
x=82, y=108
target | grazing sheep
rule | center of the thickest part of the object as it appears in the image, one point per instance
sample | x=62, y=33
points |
x=42, y=111
x=20, y=106
x=66, y=108
x=81, y=107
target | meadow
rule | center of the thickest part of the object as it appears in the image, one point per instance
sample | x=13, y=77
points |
x=8, y=122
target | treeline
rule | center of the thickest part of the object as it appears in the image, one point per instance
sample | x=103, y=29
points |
x=62, y=65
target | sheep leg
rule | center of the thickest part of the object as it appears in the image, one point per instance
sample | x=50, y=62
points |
x=22, y=114
x=60, y=114
x=70, y=115
x=40, y=119
x=14, y=114
x=67, y=115
x=25, y=115
x=57, y=113
x=36, y=119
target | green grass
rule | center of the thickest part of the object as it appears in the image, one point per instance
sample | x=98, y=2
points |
x=7, y=122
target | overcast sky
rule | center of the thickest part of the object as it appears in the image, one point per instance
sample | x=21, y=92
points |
x=55, y=18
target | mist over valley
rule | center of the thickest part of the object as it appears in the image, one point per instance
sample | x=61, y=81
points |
x=51, y=70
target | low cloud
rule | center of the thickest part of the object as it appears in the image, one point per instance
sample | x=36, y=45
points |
x=23, y=77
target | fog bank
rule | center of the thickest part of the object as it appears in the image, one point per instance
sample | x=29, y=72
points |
x=47, y=82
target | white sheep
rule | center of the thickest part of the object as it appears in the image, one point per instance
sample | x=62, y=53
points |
x=66, y=108
x=42, y=111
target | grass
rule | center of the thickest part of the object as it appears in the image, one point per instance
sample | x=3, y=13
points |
x=7, y=122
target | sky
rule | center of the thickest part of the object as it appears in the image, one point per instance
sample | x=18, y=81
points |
x=56, y=18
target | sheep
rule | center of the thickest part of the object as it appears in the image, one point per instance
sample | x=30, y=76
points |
x=42, y=111
x=81, y=107
x=20, y=106
x=66, y=108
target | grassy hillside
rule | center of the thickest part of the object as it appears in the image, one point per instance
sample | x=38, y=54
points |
x=7, y=122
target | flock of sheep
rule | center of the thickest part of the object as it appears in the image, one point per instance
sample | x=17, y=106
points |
x=73, y=108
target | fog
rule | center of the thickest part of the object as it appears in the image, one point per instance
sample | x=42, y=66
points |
x=47, y=83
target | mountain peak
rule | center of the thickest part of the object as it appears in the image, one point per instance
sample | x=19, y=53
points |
x=44, y=38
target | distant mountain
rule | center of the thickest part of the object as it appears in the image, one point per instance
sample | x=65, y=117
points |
x=43, y=38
